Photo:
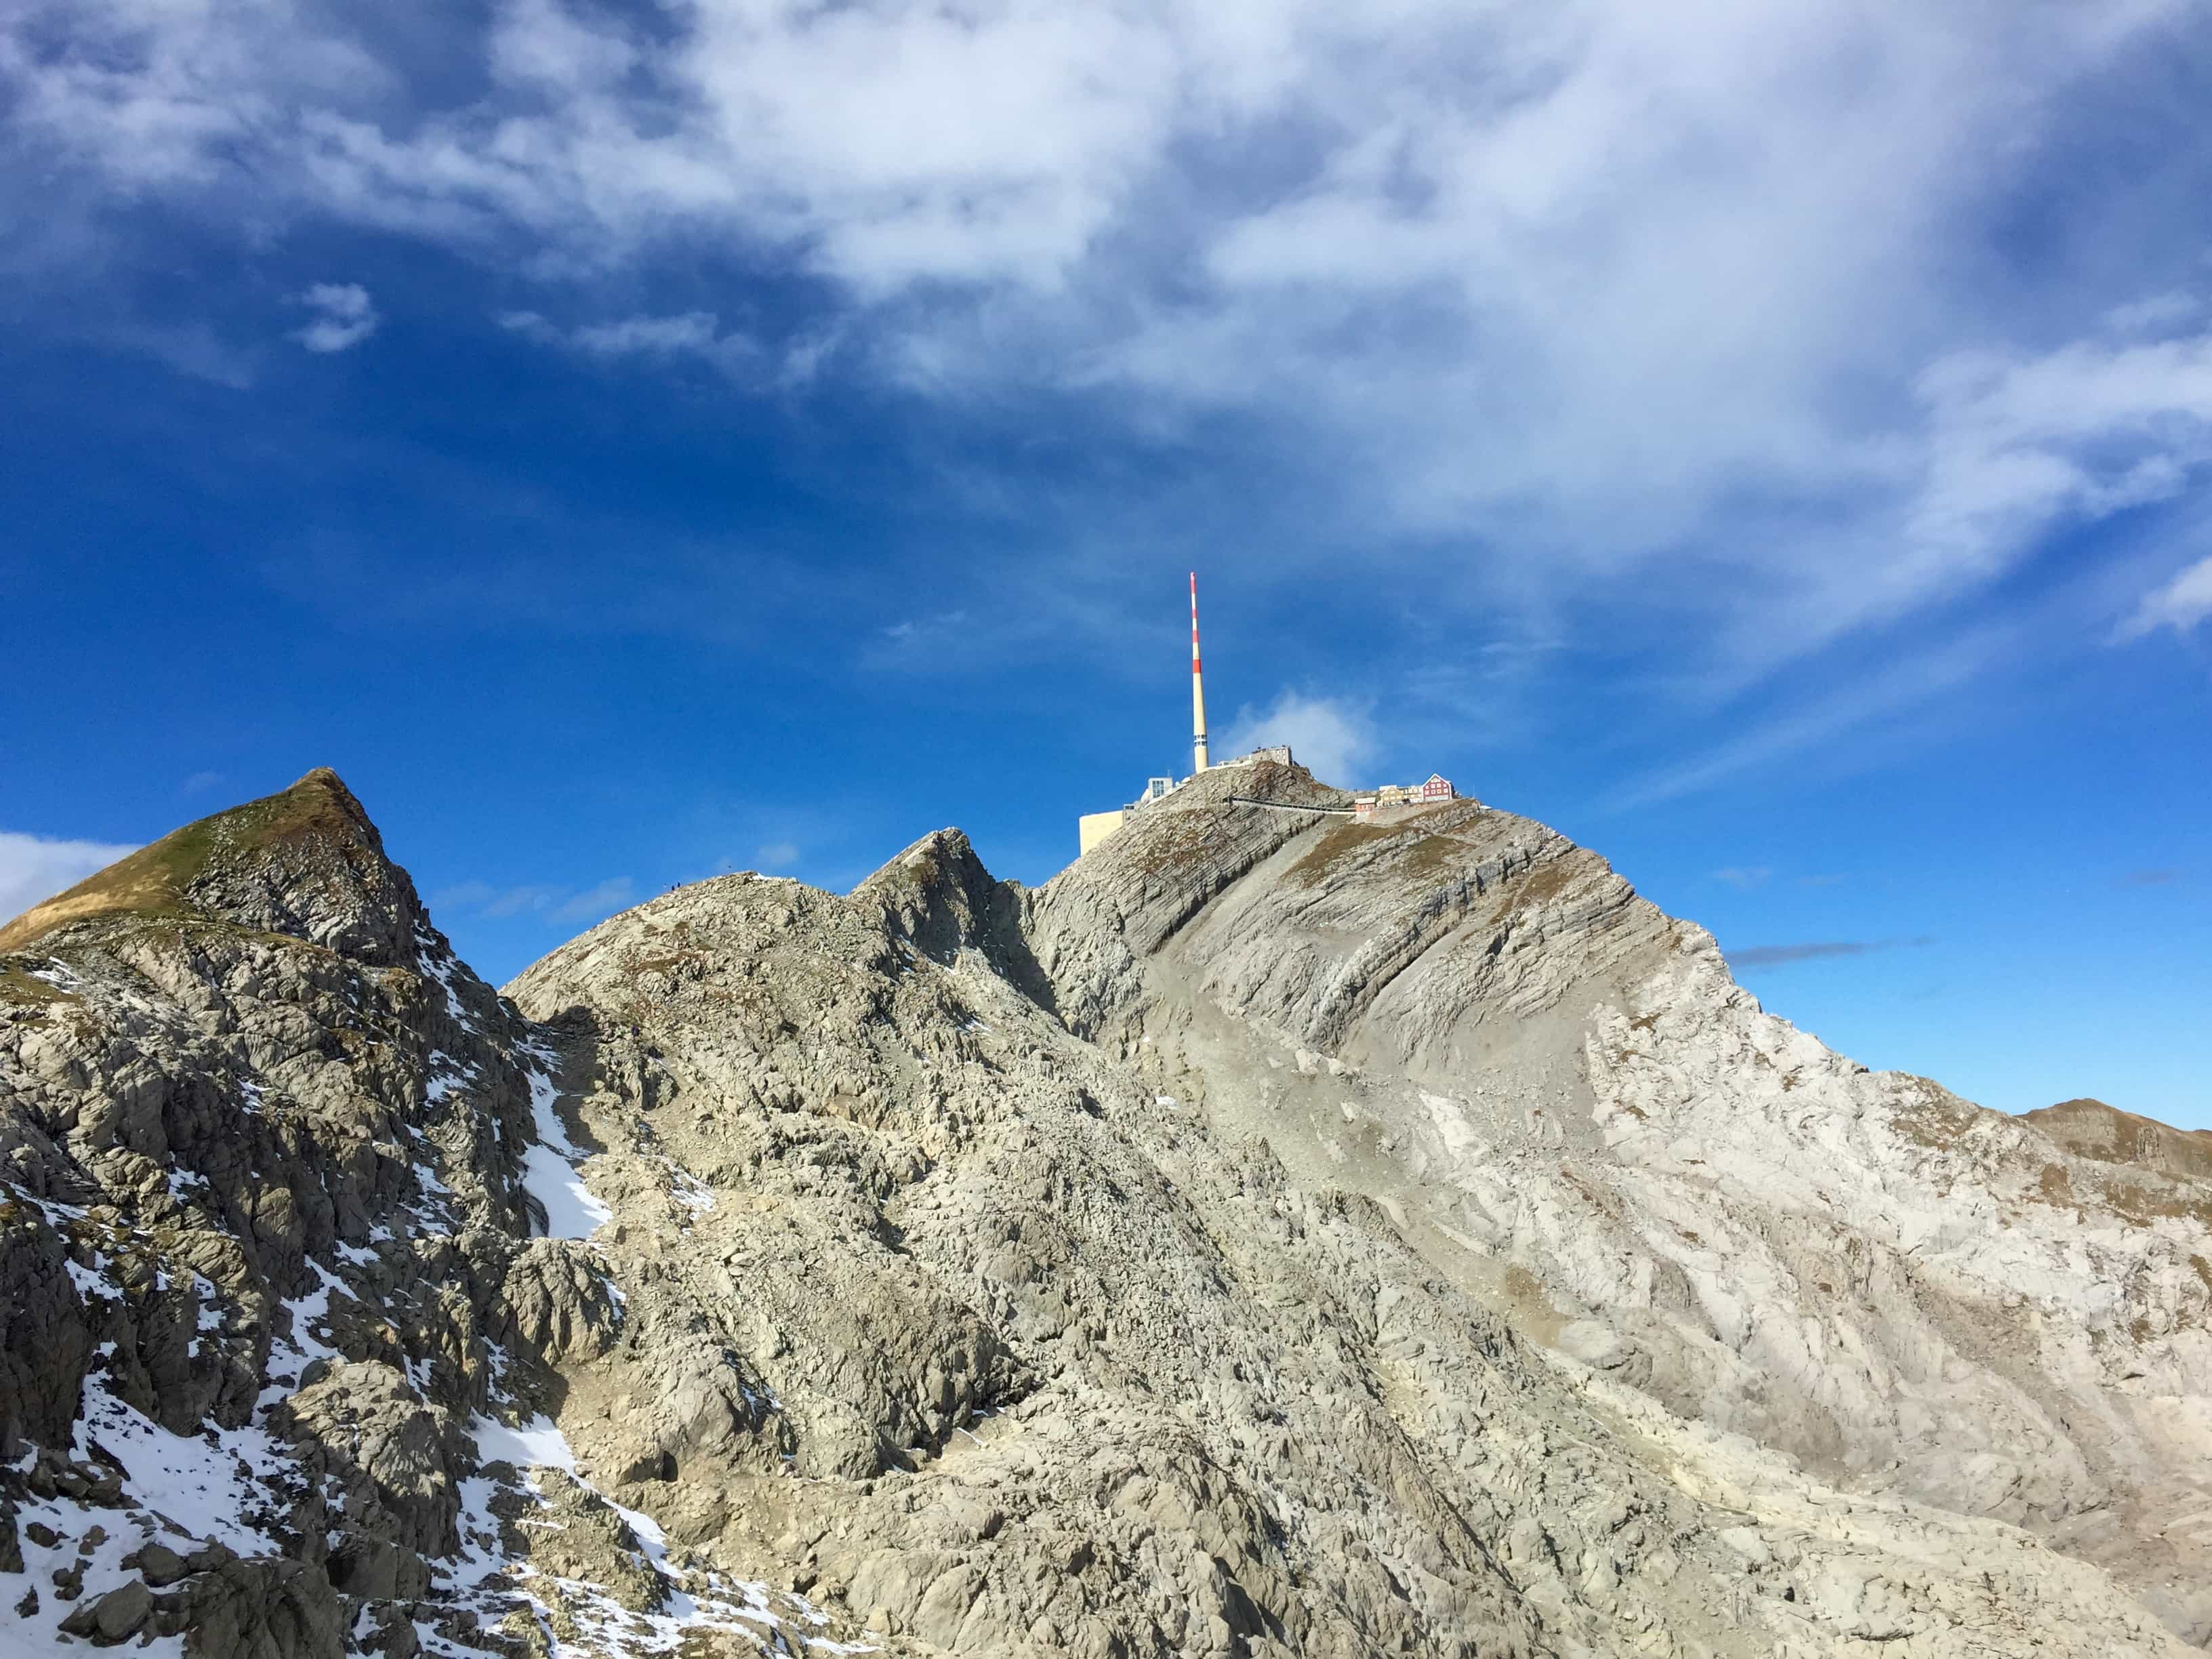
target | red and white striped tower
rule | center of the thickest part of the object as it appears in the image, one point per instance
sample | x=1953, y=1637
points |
x=1197, y=686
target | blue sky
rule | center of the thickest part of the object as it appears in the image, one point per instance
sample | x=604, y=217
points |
x=1771, y=446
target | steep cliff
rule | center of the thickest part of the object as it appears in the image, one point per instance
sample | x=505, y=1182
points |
x=1274, y=1236
x=1556, y=1089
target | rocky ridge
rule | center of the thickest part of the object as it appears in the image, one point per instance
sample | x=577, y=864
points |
x=284, y=1299
x=1274, y=1236
x=1551, y=1084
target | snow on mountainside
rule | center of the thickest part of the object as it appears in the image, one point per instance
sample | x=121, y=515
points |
x=279, y=1303
x=1272, y=1237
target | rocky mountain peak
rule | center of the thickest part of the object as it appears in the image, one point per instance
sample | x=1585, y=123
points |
x=938, y=898
x=1275, y=1237
x=307, y=862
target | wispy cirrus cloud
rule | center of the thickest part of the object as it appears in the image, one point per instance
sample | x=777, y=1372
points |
x=2020, y=441
x=1744, y=878
x=1469, y=254
x=193, y=350
x=1757, y=956
x=694, y=334
x=939, y=628
x=1829, y=718
x=549, y=902
x=2180, y=603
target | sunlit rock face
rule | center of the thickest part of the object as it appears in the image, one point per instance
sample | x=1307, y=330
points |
x=1274, y=1236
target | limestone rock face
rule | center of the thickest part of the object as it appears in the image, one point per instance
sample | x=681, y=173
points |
x=1553, y=1086
x=1274, y=1237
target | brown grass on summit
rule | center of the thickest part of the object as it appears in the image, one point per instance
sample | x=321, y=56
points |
x=2091, y=1129
x=155, y=880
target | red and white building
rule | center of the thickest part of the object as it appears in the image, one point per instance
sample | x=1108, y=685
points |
x=1438, y=787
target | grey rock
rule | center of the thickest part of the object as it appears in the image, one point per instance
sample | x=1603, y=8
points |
x=376, y=1569
x=158, y=1565
x=259, y=1609
x=389, y=1453
x=1273, y=1235
x=113, y=1618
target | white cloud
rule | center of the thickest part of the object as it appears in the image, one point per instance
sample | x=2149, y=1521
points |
x=463, y=896
x=2180, y=603
x=936, y=641
x=2154, y=313
x=1331, y=737
x=689, y=334
x=521, y=901
x=1743, y=878
x=34, y=868
x=776, y=856
x=694, y=330
x=2018, y=443
x=346, y=317
x=933, y=629
x=1642, y=295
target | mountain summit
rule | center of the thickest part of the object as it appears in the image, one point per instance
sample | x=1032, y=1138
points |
x=1274, y=1236
x=307, y=862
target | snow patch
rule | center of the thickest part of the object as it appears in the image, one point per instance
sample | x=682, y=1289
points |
x=55, y=1212
x=686, y=1190
x=695, y=1600
x=431, y=1181
x=211, y=1312
x=208, y=1487
x=536, y=1443
x=35, y=1637
x=548, y=1169
x=182, y=1182
x=303, y=1346
x=93, y=1280
x=439, y=965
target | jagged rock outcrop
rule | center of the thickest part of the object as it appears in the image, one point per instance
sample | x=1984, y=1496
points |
x=270, y=1245
x=1274, y=1236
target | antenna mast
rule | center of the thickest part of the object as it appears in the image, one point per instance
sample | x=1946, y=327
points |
x=1197, y=687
